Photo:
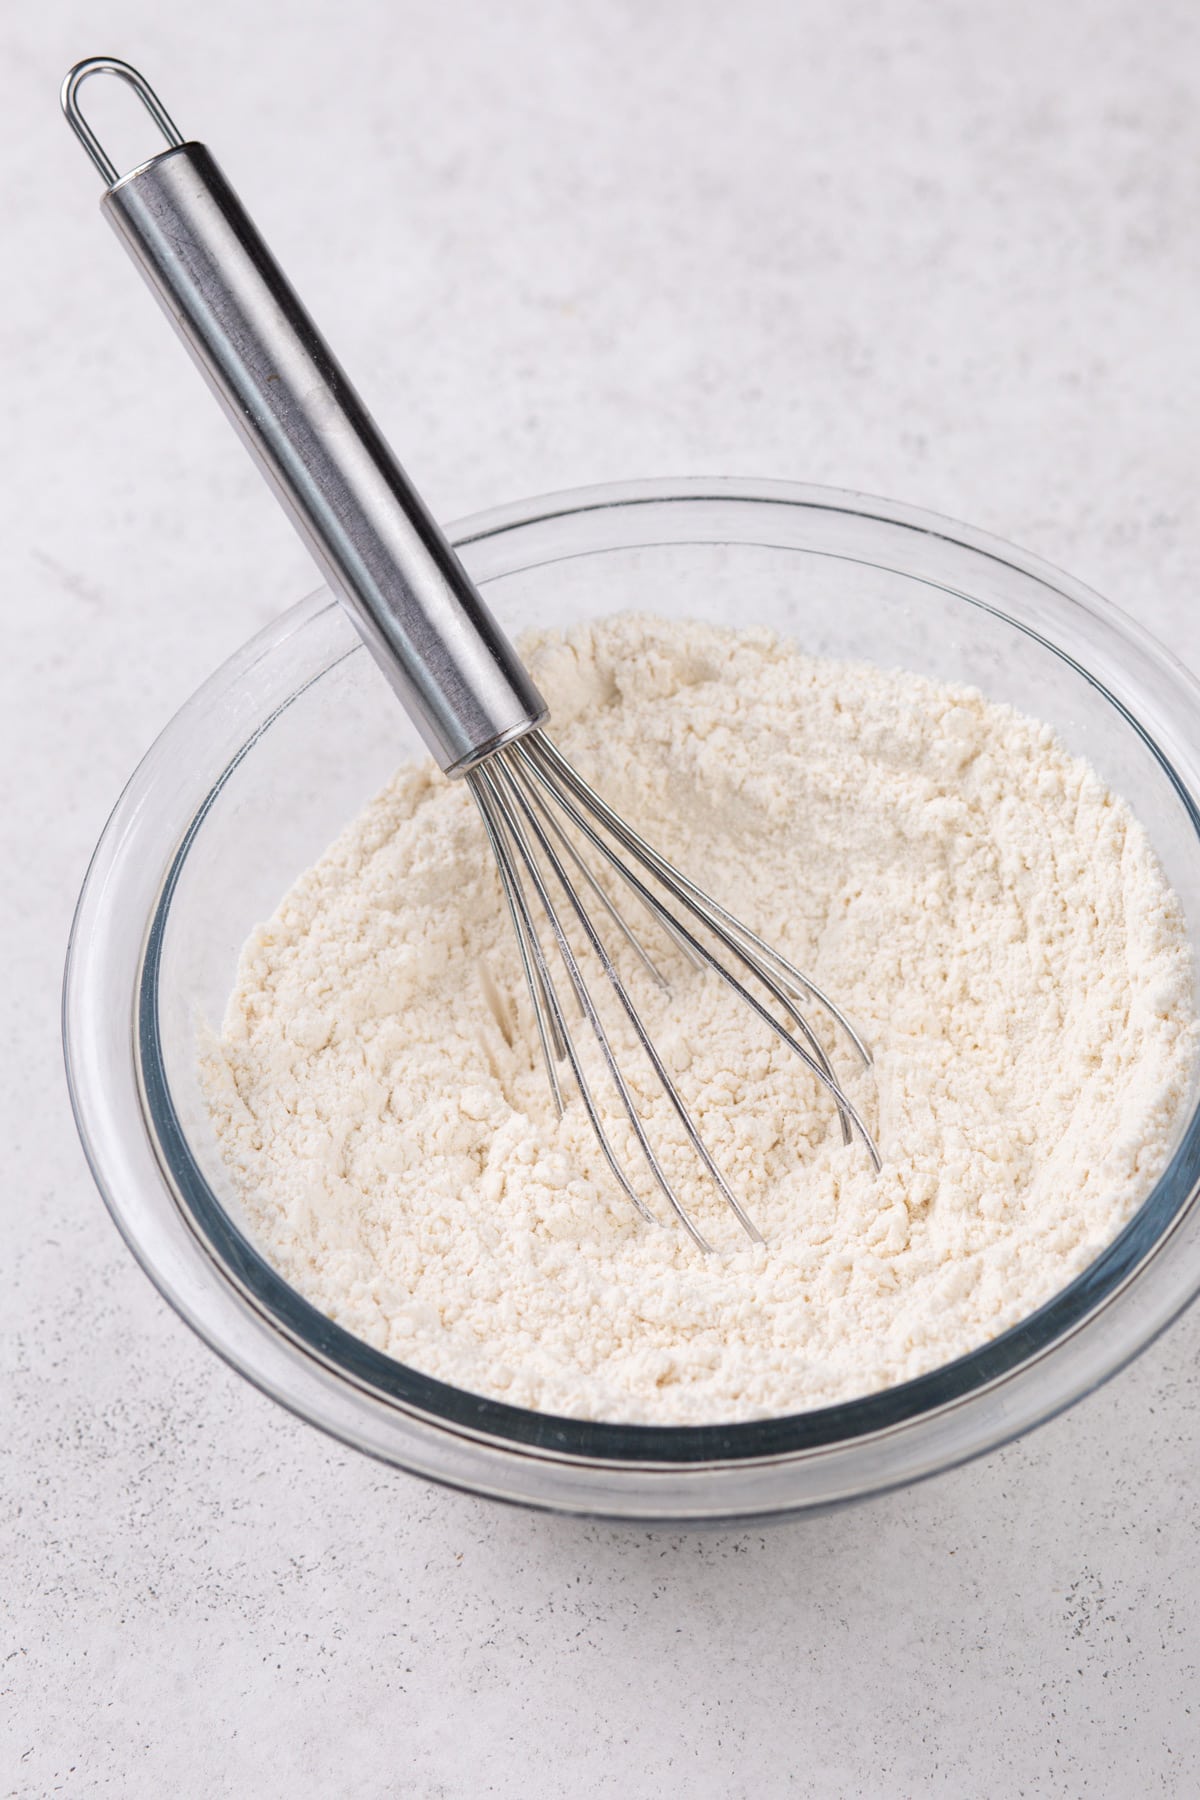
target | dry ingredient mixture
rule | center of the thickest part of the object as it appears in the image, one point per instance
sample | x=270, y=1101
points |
x=989, y=914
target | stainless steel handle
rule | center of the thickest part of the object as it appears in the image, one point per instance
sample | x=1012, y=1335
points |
x=378, y=546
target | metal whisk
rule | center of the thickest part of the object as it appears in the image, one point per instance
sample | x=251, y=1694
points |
x=555, y=840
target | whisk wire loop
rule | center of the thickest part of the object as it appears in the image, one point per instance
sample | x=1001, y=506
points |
x=528, y=752
x=487, y=778
x=535, y=811
x=702, y=904
x=534, y=808
x=701, y=959
x=626, y=930
x=553, y=1042
x=545, y=993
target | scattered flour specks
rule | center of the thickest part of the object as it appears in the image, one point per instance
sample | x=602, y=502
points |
x=990, y=915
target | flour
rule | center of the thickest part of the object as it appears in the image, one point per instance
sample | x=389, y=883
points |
x=991, y=917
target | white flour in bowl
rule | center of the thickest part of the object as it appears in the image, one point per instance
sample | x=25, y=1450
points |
x=990, y=915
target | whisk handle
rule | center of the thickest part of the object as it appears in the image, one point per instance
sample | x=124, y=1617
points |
x=279, y=383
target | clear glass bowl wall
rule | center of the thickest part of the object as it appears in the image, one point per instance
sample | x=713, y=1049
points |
x=278, y=750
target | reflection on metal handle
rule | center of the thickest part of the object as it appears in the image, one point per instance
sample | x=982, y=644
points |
x=379, y=547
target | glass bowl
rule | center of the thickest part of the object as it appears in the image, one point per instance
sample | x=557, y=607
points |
x=276, y=752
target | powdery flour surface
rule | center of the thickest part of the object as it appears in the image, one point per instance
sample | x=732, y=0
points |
x=988, y=913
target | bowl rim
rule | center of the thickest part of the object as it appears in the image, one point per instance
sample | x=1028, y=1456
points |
x=518, y=1433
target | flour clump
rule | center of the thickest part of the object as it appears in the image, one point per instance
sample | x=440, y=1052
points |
x=991, y=916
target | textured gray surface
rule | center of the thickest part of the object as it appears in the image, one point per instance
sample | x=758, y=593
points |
x=946, y=252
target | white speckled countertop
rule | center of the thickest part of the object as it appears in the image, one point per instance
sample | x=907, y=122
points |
x=948, y=252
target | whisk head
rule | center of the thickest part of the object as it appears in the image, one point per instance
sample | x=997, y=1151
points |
x=552, y=835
